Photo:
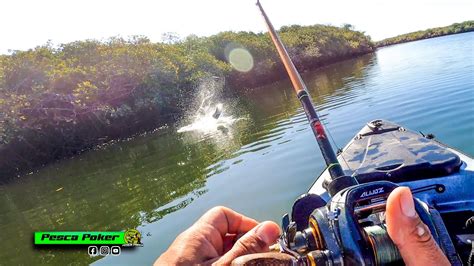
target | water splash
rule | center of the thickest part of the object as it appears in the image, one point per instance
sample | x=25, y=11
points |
x=211, y=115
x=206, y=123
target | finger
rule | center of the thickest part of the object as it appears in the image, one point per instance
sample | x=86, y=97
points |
x=228, y=242
x=227, y=221
x=208, y=262
x=255, y=241
x=409, y=233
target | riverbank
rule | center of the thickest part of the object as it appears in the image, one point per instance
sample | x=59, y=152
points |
x=466, y=26
x=58, y=101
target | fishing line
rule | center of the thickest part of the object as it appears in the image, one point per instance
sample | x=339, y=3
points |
x=330, y=135
x=385, y=251
x=337, y=146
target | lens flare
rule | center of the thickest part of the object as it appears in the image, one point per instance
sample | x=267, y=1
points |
x=241, y=59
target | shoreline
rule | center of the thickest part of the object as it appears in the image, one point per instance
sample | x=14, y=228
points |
x=32, y=148
x=60, y=101
x=456, y=28
x=159, y=125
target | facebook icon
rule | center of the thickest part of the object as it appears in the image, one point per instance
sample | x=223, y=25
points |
x=93, y=251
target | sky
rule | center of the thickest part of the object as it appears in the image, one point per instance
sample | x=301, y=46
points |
x=28, y=23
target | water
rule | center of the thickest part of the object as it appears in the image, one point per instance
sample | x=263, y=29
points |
x=209, y=117
x=162, y=182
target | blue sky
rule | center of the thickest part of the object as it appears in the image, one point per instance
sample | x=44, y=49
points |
x=28, y=23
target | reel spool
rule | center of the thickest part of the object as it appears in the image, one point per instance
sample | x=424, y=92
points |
x=385, y=251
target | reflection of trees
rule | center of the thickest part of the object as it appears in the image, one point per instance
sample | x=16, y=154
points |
x=279, y=98
x=336, y=78
x=121, y=187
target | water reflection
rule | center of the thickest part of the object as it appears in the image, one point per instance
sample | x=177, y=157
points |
x=124, y=186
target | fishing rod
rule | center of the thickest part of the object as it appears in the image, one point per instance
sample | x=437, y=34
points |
x=338, y=179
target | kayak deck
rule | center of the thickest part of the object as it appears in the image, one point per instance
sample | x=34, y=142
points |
x=414, y=159
x=383, y=150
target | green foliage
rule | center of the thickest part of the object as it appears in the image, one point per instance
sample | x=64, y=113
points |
x=57, y=101
x=308, y=46
x=465, y=26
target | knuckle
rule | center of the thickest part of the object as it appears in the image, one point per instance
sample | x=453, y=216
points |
x=421, y=234
x=251, y=244
x=216, y=209
x=220, y=207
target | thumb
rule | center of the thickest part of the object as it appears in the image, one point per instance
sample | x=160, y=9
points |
x=409, y=233
x=254, y=241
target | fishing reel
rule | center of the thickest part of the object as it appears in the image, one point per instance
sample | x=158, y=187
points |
x=348, y=230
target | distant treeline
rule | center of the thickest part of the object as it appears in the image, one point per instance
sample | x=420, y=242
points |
x=465, y=26
x=56, y=101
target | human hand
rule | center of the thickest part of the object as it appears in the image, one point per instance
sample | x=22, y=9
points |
x=220, y=236
x=412, y=237
x=215, y=237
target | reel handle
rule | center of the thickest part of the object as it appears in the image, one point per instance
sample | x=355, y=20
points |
x=268, y=258
x=313, y=258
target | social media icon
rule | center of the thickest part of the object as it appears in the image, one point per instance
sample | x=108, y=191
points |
x=93, y=251
x=115, y=250
x=104, y=250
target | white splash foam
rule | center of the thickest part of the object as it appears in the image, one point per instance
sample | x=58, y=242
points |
x=208, y=124
x=210, y=117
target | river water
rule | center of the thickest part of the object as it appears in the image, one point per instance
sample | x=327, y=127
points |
x=162, y=182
